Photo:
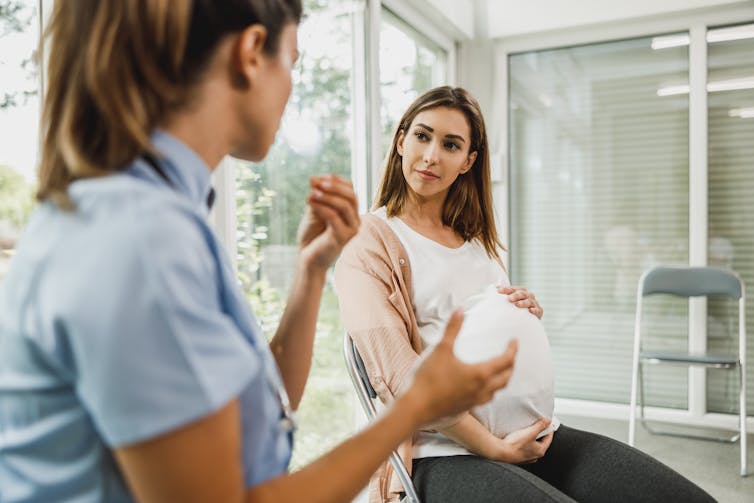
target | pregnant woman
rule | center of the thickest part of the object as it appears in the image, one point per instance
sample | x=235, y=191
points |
x=429, y=248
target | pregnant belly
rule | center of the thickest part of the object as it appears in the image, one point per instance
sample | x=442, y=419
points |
x=490, y=322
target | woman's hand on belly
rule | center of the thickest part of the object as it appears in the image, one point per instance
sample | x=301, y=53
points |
x=522, y=298
x=522, y=446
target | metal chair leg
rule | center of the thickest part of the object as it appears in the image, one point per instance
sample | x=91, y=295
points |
x=632, y=404
x=672, y=433
x=742, y=416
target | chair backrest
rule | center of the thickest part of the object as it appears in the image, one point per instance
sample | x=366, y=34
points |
x=362, y=370
x=357, y=371
x=366, y=393
x=691, y=282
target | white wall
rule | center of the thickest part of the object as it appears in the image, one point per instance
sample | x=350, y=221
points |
x=515, y=17
x=458, y=15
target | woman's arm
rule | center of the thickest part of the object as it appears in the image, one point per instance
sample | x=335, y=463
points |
x=517, y=447
x=201, y=462
x=293, y=342
x=330, y=221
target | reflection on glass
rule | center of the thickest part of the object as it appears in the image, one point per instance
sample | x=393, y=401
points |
x=599, y=193
x=409, y=65
x=19, y=112
x=314, y=139
x=730, y=55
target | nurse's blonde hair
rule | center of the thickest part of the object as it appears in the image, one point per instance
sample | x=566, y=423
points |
x=115, y=67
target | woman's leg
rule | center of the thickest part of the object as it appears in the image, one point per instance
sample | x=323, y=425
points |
x=590, y=467
x=471, y=479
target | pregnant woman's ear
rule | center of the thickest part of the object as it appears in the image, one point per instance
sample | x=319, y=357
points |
x=522, y=298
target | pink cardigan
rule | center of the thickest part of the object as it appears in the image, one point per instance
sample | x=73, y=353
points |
x=373, y=282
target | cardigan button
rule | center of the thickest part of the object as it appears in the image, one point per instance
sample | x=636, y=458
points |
x=401, y=261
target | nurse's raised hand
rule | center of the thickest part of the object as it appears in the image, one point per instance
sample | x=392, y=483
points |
x=331, y=219
x=443, y=385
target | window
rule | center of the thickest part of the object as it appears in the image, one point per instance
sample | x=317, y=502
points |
x=410, y=64
x=320, y=133
x=314, y=138
x=602, y=186
x=19, y=118
x=599, y=192
x=730, y=100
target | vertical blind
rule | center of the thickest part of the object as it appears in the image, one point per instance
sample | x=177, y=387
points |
x=731, y=199
x=600, y=192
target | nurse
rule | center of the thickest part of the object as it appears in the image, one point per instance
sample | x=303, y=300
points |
x=131, y=367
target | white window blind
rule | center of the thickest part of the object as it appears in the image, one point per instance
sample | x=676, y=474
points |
x=599, y=192
x=731, y=197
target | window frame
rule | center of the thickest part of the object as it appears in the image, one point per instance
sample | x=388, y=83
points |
x=366, y=144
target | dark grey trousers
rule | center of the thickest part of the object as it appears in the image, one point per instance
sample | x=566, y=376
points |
x=578, y=466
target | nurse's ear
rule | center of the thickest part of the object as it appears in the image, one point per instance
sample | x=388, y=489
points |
x=248, y=53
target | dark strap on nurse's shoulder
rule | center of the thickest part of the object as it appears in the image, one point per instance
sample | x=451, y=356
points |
x=211, y=198
x=155, y=165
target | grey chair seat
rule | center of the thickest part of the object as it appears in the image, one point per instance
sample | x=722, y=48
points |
x=706, y=359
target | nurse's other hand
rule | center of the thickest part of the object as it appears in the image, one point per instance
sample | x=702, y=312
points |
x=443, y=385
x=522, y=446
x=331, y=219
x=522, y=298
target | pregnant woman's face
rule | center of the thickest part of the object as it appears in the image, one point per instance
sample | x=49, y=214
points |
x=435, y=150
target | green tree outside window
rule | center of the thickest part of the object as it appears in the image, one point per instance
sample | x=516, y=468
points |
x=18, y=120
x=270, y=200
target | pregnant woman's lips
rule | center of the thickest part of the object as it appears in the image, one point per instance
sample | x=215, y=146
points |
x=428, y=175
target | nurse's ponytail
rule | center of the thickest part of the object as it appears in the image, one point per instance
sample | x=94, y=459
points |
x=116, y=67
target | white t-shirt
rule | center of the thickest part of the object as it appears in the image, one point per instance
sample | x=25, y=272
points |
x=444, y=279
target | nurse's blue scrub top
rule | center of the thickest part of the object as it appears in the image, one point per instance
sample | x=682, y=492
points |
x=122, y=321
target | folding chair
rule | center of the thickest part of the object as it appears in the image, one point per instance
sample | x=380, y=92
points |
x=690, y=282
x=367, y=395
